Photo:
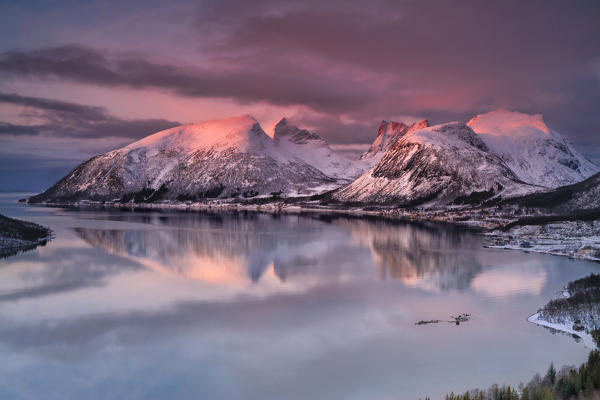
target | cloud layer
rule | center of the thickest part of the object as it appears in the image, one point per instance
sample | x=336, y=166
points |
x=75, y=120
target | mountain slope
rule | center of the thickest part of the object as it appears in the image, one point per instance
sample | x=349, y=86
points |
x=570, y=199
x=221, y=158
x=536, y=154
x=435, y=165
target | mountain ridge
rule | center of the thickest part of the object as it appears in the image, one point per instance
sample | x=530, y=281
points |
x=493, y=156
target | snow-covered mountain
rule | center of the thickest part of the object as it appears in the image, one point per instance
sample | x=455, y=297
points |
x=221, y=158
x=535, y=153
x=441, y=164
x=498, y=154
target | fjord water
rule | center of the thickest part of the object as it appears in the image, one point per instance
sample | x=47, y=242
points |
x=187, y=305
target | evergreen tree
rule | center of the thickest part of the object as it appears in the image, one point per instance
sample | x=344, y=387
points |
x=551, y=374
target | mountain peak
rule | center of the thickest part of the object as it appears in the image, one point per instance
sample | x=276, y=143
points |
x=387, y=134
x=461, y=131
x=509, y=123
x=419, y=125
x=282, y=122
x=293, y=133
x=390, y=127
x=242, y=130
x=313, y=149
x=284, y=128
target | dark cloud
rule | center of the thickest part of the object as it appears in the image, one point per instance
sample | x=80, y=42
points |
x=481, y=38
x=13, y=129
x=297, y=84
x=53, y=105
x=442, y=59
x=49, y=150
x=65, y=119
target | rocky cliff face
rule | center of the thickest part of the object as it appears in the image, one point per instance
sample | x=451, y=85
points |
x=388, y=134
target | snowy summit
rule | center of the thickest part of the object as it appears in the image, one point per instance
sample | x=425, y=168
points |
x=535, y=153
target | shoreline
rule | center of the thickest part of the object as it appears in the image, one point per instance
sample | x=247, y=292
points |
x=10, y=247
x=586, y=338
x=18, y=236
x=574, y=311
x=557, y=253
x=579, y=239
x=559, y=238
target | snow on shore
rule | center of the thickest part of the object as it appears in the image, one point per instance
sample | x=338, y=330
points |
x=575, y=239
x=566, y=327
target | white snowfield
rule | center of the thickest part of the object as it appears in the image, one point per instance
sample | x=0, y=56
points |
x=535, y=153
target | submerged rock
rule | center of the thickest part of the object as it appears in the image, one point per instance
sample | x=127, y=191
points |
x=453, y=320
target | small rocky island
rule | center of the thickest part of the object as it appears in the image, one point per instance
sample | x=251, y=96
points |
x=17, y=236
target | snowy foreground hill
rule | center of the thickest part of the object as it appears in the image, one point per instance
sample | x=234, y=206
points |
x=493, y=156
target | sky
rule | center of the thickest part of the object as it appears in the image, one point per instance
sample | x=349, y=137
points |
x=81, y=78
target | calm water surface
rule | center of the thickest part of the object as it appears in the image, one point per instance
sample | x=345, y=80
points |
x=173, y=305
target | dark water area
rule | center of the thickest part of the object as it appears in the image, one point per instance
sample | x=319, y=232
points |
x=176, y=305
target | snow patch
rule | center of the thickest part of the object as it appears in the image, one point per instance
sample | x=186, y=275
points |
x=566, y=327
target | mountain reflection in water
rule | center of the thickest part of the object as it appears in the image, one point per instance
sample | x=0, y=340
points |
x=238, y=249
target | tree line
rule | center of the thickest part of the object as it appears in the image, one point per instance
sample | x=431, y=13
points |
x=566, y=384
